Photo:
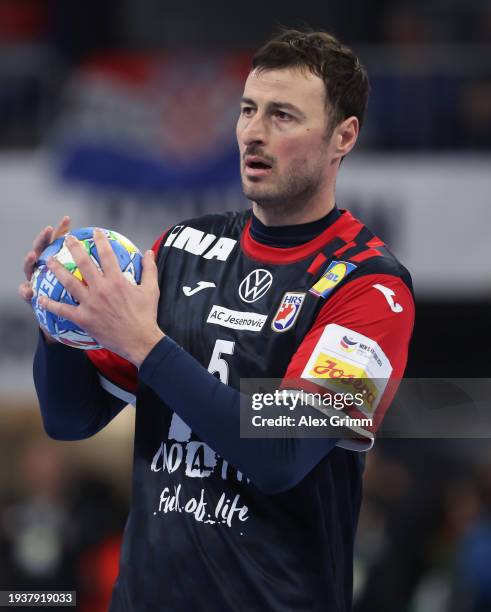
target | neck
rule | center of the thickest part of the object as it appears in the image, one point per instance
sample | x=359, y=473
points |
x=285, y=236
x=311, y=209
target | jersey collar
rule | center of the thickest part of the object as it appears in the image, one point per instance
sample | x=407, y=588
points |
x=341, y=228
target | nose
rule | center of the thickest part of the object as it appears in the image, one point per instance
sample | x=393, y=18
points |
x=254, y=131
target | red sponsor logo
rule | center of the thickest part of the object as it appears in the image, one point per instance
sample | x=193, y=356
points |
x=347, y=375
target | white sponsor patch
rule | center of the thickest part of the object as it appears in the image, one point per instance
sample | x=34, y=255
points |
x=250, y=321
x=347, y=360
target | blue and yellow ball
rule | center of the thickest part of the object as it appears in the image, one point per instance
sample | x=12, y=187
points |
x=45, y=283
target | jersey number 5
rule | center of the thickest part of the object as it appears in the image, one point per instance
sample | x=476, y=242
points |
x=217, y=364
x=178, y=429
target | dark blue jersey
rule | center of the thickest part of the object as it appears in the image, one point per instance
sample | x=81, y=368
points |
x=204, y=532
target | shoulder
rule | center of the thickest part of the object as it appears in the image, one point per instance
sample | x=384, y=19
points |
x=385, y=265
x=375, y=290
x=370, y=256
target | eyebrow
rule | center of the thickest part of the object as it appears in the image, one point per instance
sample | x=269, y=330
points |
x=276, y=106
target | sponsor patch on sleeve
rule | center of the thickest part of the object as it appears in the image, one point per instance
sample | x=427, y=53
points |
x=346, y=361
x=335, y=272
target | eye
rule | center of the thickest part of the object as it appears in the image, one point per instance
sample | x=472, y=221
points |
x=247, y=111
x=282, y=116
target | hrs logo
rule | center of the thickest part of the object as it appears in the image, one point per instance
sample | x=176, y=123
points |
x=197, y=242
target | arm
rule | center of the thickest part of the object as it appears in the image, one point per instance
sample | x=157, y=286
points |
x=79, y=392
x=73, y=406
x=361, y=334
x=73, y=403
x=209, y=407
x=212, y=410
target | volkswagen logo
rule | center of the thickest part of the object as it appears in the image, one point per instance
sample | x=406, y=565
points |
x=255, y=285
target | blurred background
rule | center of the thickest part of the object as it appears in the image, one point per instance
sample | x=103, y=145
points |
x=121, y=114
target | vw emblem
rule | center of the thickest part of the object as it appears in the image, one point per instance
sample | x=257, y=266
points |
x=255, y=285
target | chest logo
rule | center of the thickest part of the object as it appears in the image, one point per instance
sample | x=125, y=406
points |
x=197, y=242
x=255, y=285
x=199, y=287
x=288, y=311
x=335, y=272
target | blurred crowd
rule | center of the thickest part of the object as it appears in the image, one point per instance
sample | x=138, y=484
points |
x=61, y=520
x=429, y=61
x=424, y=540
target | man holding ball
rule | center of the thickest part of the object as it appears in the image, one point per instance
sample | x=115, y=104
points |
x=293, y=288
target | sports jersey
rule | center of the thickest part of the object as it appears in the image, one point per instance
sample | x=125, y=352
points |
x=204, y=531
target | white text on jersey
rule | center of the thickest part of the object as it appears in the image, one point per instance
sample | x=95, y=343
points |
x=198, y=243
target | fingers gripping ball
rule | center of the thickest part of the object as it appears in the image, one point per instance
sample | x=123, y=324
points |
x=45, y=283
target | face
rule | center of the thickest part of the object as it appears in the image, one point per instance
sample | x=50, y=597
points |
x=281, y=132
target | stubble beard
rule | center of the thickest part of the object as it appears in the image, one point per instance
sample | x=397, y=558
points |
x=290, y=194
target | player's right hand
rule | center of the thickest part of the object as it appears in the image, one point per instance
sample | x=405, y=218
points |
x=42, y=240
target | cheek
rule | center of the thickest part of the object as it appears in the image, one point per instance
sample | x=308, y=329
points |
x=239, y=131
x=290, y=148
x=305, y=150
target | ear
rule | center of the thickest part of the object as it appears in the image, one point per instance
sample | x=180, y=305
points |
x=345, y=136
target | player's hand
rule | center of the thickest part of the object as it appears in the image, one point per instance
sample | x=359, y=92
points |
x=122, y=317
x=42, y=240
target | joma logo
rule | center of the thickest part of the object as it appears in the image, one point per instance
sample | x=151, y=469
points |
x=197, y=242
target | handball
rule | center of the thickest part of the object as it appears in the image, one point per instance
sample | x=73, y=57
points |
x=45, y=283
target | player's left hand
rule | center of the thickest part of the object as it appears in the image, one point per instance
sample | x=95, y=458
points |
x=120, y=316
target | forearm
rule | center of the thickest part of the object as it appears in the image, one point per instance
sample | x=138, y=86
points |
x=73, y=404
x=212, y=410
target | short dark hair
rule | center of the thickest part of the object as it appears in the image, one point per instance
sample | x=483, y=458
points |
x=345, y=79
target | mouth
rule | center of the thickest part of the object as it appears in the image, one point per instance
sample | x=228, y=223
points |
x=255, y=166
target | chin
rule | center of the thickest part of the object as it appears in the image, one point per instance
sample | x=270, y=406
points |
x=254, y=190
x=257, y=195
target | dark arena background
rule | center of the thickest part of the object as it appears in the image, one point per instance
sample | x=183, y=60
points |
x=121, y=114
